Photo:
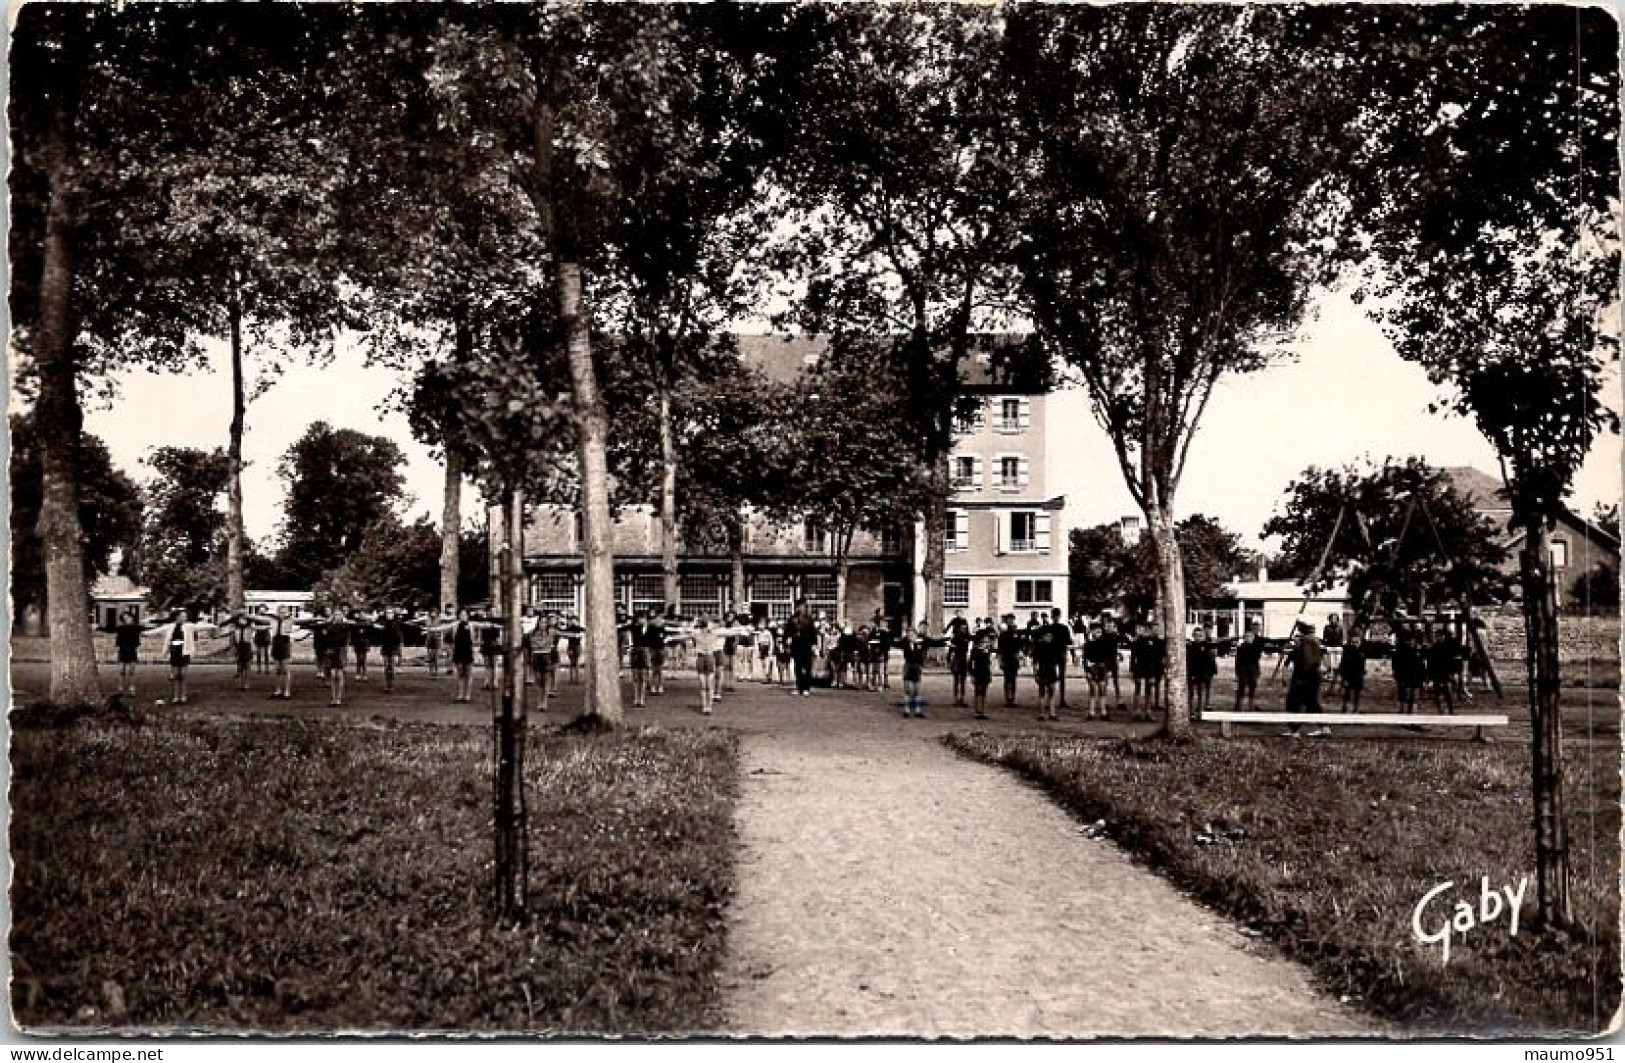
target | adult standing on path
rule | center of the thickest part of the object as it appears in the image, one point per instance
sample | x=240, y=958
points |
x=803, y=643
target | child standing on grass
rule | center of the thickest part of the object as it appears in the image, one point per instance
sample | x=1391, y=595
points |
x=572, y=646
x=1249, y=656
x=544, y=657
x=1096, y=647
x=361, y=634
x=643, y=632
x=431, y=646
x=127, y=638
x=1351, y=669
x=281, y=632
x=460, y=633
x=241, y=632
x=389, y=647
x=262, y=648
x=1201, y=665
x=708, y=642
x=490, y=649
x=183, y=634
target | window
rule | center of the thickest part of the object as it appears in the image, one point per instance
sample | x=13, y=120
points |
x=967, y=473
x=1013, y=472
x=1014, y=415
x=1033, y=591
x=774, y=593
x=648, y=592
x=956, y=531
x=956, y=592
x=819, y=590
x=891, y=541
x=813, y=538
x=1029, y=532
x=553, y=592
x=701, y=596
x=1560, y=554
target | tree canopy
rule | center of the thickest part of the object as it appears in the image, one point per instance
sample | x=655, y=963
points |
x=340, y=483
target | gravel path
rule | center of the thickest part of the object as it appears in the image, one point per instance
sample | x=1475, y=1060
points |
x=889, y=888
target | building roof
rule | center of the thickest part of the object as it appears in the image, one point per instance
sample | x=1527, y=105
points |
x=1482, y=491
x=117, y=586
x=784, y=358
x=1488, y=497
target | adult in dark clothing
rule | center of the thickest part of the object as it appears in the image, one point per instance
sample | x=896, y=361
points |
x=1010, y=644
x=1249, y=662
x=803, y=631
x=1307, y=659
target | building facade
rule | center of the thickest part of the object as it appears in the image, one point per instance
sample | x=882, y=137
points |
x=1005, y=544
x=1005, y=536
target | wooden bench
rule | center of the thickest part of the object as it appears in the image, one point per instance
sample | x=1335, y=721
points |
x=1367, y=719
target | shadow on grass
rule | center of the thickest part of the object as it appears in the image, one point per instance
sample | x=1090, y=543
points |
x=1326, y=849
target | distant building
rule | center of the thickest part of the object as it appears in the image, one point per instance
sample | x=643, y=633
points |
x=111, y=596
x=1000, y=543
x=1272, y=607
x=1577, y=545
x=264, y=603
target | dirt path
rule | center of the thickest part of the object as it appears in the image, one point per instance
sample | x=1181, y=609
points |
x=888, y=887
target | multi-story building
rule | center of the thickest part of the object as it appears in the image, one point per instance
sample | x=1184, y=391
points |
x=1005, y=536
x=1006, y=549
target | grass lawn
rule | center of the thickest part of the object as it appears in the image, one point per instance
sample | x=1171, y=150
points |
x=302, y=875
x=1327, y=847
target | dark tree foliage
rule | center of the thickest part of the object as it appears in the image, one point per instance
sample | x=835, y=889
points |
x=1597, y=589
x=1401, y=535
x=396, y=566
x=109, y=512
x=340, y=483
x=1108, y=573
x=1494, y=232
x=182, y=558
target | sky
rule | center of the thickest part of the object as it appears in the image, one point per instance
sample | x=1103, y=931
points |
x=1346, y=396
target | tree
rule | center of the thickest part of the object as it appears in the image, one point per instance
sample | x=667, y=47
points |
x=340, y=483
x=109, y=512
x=1180, y=171
x=183, y=554
x=397, y=566
x=1495, y=266
x=850, y=465
x=1108, y=573
x=1401, y=535
x=1598, y=588
x=732, y=460
x=1102, y=569
x=898, y=184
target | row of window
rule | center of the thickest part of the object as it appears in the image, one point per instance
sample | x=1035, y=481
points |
x=697, y=594
x=1021, y=531
x=1010, y=416
x=1012, y=472
x=1029, y=592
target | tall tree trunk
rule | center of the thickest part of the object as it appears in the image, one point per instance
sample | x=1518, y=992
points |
x=60, y=420
x=739, y=593
x=234, y=462
x=668, y=502
x=1552, y=900
x=843, y=569
x=592, y=439
x=451, y=507
x=510, y=863
x=1171, y=617
x=451, y=527
x=940, y=486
